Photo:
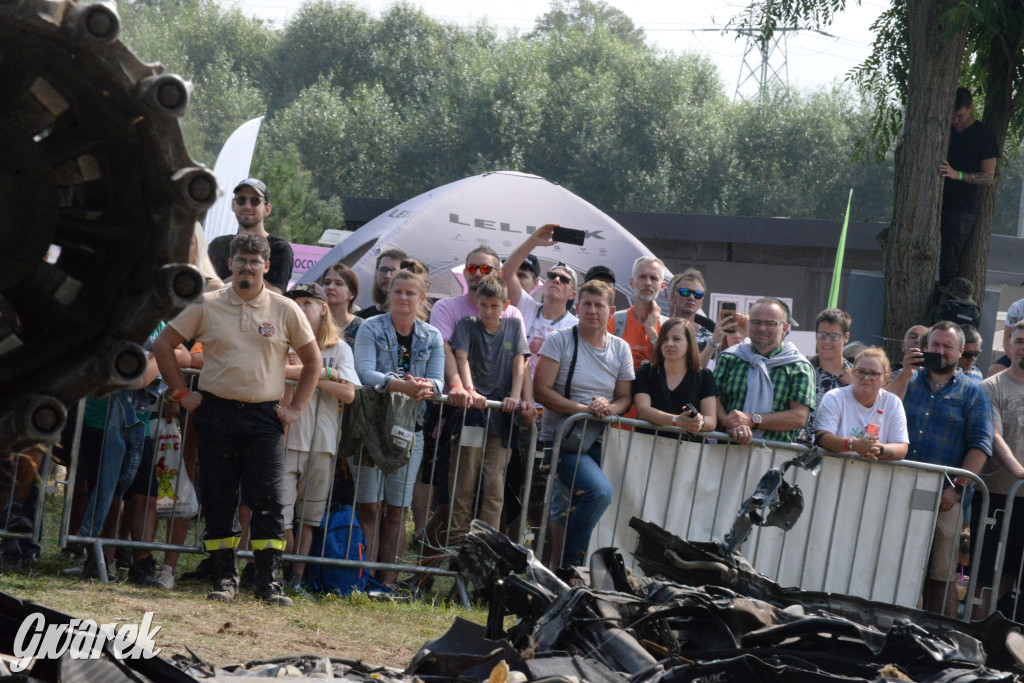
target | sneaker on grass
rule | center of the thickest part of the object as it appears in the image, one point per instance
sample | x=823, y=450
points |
x=165, y=577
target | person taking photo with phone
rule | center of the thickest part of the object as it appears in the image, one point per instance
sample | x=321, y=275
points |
x=673, y=389
x=949, y=422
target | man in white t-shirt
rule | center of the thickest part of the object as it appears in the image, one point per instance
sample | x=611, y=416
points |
x=550, y=314
x=600, y=383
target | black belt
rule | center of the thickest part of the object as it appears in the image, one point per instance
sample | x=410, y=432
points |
x=240, y=405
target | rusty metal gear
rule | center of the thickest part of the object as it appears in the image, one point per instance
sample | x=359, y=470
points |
x=99, y=198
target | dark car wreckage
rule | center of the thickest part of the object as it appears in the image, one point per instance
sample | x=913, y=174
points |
x=700, y=614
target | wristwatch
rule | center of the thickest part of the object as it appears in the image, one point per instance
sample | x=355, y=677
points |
x=756, y=419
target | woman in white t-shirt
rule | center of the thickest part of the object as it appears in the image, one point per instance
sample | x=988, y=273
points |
x=845, y=413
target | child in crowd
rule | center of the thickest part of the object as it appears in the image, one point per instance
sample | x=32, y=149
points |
x=491, y=354
x=313, y=438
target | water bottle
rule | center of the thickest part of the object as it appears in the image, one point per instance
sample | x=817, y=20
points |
x=875, y=423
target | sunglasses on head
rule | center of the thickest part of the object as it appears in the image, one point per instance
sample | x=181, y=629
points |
x=253, y=200
x=564, y=279
x=473, y=268
x=685, y=292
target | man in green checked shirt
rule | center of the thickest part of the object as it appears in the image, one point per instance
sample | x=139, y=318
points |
x=766, y=386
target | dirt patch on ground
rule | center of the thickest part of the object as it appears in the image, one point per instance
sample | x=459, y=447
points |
x=357, y=628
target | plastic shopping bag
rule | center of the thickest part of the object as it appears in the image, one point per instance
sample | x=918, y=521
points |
x=176, y=497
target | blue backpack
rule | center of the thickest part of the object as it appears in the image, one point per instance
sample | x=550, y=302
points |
x=342, y=532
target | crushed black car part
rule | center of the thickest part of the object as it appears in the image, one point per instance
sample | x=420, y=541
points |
x=699, y=614
x=783, y=501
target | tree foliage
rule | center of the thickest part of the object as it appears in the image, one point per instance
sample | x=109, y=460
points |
x=586, y=16
x=923, y=50
x=393, y=105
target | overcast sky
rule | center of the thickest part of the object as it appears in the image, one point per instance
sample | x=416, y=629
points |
x=813, y=59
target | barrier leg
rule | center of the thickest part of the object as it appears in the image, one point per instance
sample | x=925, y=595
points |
x=101, y=562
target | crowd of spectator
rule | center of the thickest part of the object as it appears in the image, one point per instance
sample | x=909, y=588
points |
x=535, y=343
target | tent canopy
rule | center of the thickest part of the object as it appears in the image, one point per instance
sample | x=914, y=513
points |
x=497, y=209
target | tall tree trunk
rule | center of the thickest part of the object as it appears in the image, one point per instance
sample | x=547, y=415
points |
x=1001, y=62
x=910, y=246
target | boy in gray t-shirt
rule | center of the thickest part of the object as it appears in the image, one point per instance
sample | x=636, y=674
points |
x=490, y=352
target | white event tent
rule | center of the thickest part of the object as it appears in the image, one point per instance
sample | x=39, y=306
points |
x=498, y=209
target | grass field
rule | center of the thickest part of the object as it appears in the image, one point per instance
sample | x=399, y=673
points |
x=377, y=632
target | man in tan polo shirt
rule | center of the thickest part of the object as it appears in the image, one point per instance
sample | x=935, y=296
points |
x=246, y=331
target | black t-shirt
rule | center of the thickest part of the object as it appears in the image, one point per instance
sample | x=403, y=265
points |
x=369, y=312
x=967, y=149
x=282, y=258
x=404, y=353
x=650, y=380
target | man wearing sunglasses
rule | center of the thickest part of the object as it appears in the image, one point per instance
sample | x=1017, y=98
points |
x=685, y=298
x=972, y=349
x=550, y=314
x=447, y=313
x=251, y=206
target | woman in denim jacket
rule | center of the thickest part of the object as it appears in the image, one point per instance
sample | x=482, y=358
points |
x=395, y=352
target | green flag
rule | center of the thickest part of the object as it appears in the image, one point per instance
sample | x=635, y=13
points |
x=837, y=271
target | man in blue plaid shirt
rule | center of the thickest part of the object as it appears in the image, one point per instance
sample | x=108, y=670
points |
x=949, y=419
x=766, y=386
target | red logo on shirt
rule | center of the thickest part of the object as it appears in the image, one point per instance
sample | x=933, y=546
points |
x=266, y=329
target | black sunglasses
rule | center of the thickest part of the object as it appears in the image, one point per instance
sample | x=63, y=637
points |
x=684, y=292
x=564, y=279
x=253, y=200
x=971, y=354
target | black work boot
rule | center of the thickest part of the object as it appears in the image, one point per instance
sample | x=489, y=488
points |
x=269, y=586
x=224, y=575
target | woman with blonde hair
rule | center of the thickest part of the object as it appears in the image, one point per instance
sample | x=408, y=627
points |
x=414, y=266
x=396, y=352
x=863, y=417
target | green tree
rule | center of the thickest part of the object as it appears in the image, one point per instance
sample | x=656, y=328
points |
x=299, y=214
x=323, y=37
x=587, y=15
x=929, y=69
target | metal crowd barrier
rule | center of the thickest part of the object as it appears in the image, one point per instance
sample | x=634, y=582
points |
x=994, y=589
x=428, y=565
x=866, y=528
x=7, y=513
x=645, y=480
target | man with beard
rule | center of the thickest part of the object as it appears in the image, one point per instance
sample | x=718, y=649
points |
x=251, y=205
x=949, y=419
x=246, y=332
x=480, y=263
x=766, y=385
x=388, y=263
x=639, y=324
